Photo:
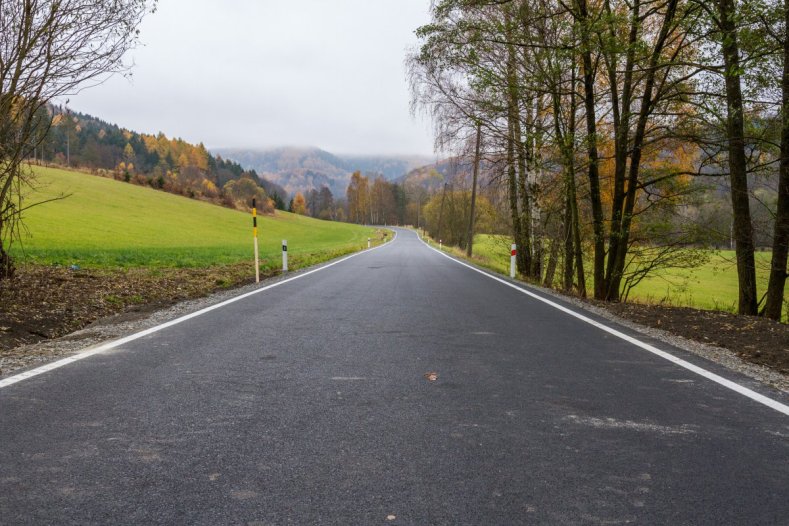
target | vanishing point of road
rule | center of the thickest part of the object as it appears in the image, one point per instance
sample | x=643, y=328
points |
x=308, y=403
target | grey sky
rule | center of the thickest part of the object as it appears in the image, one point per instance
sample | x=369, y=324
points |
x=246, y=73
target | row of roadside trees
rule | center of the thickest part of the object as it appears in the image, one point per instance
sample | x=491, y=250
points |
x=599, y=120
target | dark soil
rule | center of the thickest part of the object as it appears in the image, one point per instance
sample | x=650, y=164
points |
x=43, y=302
x=757, y=340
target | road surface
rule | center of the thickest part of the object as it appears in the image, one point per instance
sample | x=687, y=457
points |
x=308, y=404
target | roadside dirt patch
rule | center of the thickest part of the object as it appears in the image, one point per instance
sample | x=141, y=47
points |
x=757, y=340
x=45, y=302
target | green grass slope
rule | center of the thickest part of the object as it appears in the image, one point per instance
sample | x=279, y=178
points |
x=106, y=223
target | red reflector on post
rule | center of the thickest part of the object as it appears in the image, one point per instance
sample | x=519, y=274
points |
x=514, y=253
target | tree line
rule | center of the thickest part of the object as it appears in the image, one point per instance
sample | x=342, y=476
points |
x=602, y=126
x=81, y=141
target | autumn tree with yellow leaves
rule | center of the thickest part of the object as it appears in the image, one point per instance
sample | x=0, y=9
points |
x=600, y=117
x=299, y=204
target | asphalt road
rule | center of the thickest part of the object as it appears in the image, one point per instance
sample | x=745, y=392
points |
x=308, y=404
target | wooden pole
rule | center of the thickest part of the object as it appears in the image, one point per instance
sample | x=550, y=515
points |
x=255, y=240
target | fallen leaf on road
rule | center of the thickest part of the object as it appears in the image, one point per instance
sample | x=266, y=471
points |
x=431, y=376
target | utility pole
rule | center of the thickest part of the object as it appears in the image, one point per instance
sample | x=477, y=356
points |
x=68, y=138
x=370, y=199
x=381, y=217
x=418, y=208
x=441, y=211
x=470, y=234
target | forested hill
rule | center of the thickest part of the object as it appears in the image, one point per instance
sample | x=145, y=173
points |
x=303, y=169
x=82, y=141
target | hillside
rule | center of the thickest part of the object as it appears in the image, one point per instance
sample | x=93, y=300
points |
x=82, y=141
x=431, y=177
x=107, y=223
x=301, y=169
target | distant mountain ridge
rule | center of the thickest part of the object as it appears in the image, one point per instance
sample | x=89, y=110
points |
x=302, y=169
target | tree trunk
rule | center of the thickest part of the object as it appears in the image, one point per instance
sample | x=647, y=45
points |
x=569, y=254
x=524, y=251
x=618, y=251
x=775, y=288
x=735, y=124
x=519, y=233
x=470, y=233
x=513, y=195
x=553, y=259
x=579, y=254
x=621, y=148
x=7, y=267
x=594, y=158
x=573, y=252
x=529, y=205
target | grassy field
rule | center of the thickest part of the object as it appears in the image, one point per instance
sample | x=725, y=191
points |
x=105, y=223
x=712, y=285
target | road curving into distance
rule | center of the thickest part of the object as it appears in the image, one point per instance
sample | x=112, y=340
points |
x=396, y=386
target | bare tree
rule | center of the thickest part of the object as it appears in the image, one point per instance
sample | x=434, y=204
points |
x=50, y=49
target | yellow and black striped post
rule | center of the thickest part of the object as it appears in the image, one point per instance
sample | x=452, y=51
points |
x=255, y=237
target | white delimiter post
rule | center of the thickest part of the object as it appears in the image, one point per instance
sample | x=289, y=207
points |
x=284, y=255
x=513, y=253
x=368, y=242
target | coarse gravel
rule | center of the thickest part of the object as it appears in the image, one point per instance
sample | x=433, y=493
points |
x=719, y=355
x=114, y=327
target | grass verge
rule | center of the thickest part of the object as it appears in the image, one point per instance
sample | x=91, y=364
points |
x=103, y=223
x=712, y=285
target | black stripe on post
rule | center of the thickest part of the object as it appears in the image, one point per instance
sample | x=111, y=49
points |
x=255, y=222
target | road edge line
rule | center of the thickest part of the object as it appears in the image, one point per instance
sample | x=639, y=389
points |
x=729, y=384
x=90, y=351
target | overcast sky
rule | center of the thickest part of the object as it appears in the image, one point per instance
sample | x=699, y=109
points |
x=263, y=73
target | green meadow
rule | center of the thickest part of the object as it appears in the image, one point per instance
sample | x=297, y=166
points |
x=711, y=285
x=106, y=223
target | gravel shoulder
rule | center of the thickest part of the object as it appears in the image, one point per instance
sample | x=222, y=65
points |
x=682, y=328
x=106, y=329
x=53, y=313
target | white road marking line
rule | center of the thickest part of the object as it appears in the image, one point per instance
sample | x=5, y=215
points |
x=753, y=395
x=81, y=355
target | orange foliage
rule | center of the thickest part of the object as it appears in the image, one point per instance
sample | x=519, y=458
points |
x=299, y=204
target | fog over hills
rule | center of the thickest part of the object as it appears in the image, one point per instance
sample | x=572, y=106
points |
x=304, y=168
